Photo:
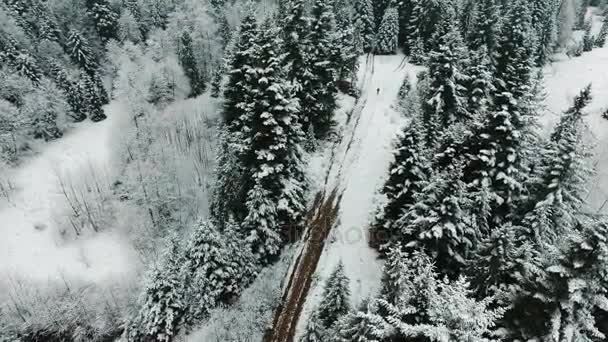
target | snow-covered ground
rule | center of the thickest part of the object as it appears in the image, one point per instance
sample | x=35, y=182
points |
x=32, y=246
x=359, y=169
x=564, y=79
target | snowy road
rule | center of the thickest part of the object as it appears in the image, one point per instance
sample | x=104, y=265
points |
x=359, y=170
x=31, y=245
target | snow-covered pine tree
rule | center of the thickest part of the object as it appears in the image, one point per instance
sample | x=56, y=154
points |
x=91, y=97
x=80, y=52
x=363, y=325
x=430, y=309
x=588, y=39
x=163, y=298
x=467, y=11
x=600, y=41
x=544, y=17
x=575, y=288
x=237, y=87
x=321, y=89
x=24, y=64
x=486, y=26
x=497, y=262
x=364, y=22
x=388, y=32
x=478, y=83
x=514, y=60
x=445, y=101
x=128, y=27
x=315, y=331
x=561, y=186
x=104, y=17
x=73, y=96
x=406, y=8
x=425, y=16
x=380, y=7
x=188, y=63
x=336, y=297
x=271, y=159
x=218, y=268
x=581, y=13
x=296, y=29
x=440, y=223
x=407, y=174
x=392, y=271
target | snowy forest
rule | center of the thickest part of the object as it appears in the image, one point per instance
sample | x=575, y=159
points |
x=303, y=170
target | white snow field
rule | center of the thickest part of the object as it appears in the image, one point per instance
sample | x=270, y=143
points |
x=31, y=243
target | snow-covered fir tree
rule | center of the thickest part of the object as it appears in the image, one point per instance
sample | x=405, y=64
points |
x=238, y=77
x=218, y=265
x=486, y=26
x=445, y=102
x=363, y=325
x=105, y=18
x=336, y=297
x=588, y=39
x=188, y=62
x=80, y=52
x=439, y=222
x=544, y=17
x=320, y=101
x=407, y=176
x=424, y=18
x=388, y=32
x=315, y=331
x=91, y=97
x=600, y=40
x=72, y=93
x=163, y=299
x=364, y=22
x=272, y=139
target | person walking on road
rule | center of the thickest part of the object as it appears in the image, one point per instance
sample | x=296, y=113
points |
x=378, y=91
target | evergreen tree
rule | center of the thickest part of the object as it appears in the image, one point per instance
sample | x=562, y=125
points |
x=600, y=41
x=321, y=89
x=429, y=309
x=336, y=297
x=425, y=16
x=581, y=14
x=439, y=222
x=363, y=325
x=364, y=22
x=105, y=19
x=445, y=101
x=163, y=299
x=478, y=83
x=80, y=52
x=388, y=32
x=406, y=8
x=407, y=175
x=392, y=272
x=74, y=97
x=271, y=158
x=588, y=39
x=238, y=77
x=219, y=268
x=485, y=28
x=380, y=7
x=315, y=332
x=514, y=59
x=187, y=61
x=544, y=16
x=91, y=97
